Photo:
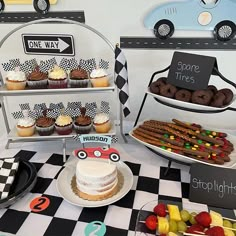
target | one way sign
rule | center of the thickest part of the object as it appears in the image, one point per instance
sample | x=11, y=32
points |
x=49, y=44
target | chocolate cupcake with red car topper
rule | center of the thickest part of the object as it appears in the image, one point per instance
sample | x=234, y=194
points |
x=96, y=178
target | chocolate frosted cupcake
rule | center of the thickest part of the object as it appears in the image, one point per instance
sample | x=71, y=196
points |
x=45, y=126
x=37, y=79
x=78, y=78
x=83, y=123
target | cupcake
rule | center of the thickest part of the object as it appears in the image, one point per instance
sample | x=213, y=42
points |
x=78, y=78
x=37, y=79
x=25, y=127
x=45, y=126
x=57, y=78
x=63, y=125
x=99, y=78
x=83, y=123
x=102, y=123
x=15, y=80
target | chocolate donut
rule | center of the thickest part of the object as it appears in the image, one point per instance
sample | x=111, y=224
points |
x=202, y=97
x=183, y=95
x=212, y=88
x=168, y=90
x=155, y=86
x=228, y=94
x=218, y=100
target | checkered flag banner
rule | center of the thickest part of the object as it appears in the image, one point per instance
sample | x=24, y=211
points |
x=114, y=139
x=121, y=80
x=104, y=64
x=53, y=113
x=64, y=64
x=73, y=63
x=8, y=169
x=74, y=105
x=17, y=115
x=24, y=106
x=105, y=107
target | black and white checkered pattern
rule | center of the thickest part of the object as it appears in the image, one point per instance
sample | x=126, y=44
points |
x=8, y=66
x=93, y=63
x=63, y=218
x=17, y=115
x=54, y=106
x=114, y=139
x=24, y=106
x=74, y=105
x=73, y=63
x=104, y=64
x=40, y=106
x=25, y=67
x=121, y=80
x=8, y=169
x=64, y=64
x=86, y=65
x=15, y=62
x=47, y=65
x=32, y=63
x=105, y=107
x=91, y=109
x=53, y=113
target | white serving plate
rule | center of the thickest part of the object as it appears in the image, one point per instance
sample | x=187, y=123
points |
x=190, y=160
x=189, y=105
x=65, y=190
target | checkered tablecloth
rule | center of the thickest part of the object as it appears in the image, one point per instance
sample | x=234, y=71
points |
x=63, y=219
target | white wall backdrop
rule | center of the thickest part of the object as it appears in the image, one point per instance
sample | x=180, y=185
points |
x=114, y=19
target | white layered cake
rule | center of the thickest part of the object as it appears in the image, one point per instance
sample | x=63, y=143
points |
x=96, y=180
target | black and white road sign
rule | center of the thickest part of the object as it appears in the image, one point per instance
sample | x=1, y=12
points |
x=49, y=44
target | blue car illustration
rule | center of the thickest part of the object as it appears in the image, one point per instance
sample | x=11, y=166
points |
x=218, y=17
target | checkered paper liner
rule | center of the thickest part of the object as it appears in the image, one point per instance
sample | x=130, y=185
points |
x=8, y=170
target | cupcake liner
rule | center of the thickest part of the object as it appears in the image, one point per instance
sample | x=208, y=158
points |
x=39, y=84
x=15, y=85
x=64, y=130
x=45, y=131
x=78, y=83
x=54, y=84
x=82, y=129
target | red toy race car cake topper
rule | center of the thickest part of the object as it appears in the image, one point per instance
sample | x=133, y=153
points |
x=97, y=152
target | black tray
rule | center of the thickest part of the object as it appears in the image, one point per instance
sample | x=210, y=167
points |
x=24, y=181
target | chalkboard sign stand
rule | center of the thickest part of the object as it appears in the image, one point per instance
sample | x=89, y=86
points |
x=191, y=71
x=213, y=186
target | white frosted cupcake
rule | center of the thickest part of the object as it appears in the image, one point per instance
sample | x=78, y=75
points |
x=57, y=78
x=15, y=80
x=99, y=78
x=64, y=125
x=102, y=123
x=25, y=127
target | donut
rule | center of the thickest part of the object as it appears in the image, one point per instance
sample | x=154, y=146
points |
x=212, y=88
x=218, y=100
x=228, y=94
x=168, y=90
x=155, y=86
x=202, y=97
x=183, y=95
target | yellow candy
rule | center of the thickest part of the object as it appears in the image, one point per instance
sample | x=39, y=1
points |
x=168, y=149
x=214, y=133
x=208, y=144
x=193, y=148
x=213, y=154
x=210, y=136
x=172, y=137
x=216, y=145
x=197, y=131
x=193, y=136
x=196, y=146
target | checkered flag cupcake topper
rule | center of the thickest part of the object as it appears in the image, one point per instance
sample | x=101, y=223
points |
x=40, y=106
x=104, y=64
x=35, y=114
x=17, y=115
x=47, y=65
x=74, y=105
x=93, y=63
x=24, y=106
x=114, y=139
x=91, y=109
x=64, y=64
x=32, y=64
x=58, y=106
x=15, y=62
x=105, y=107
x=11, y=65
x=25, y=67
x=86, y=65
x=53, y=113
x=73, y=63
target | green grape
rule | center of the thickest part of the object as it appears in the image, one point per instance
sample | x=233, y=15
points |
x=234, y=225
x=182, y=227
x=185, y=216
x=227, y=223
x=192, y=218
x=173, y=227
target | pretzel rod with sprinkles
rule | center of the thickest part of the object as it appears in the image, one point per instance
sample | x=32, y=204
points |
x=164, y=137
x=157, y=142
x=153, y=129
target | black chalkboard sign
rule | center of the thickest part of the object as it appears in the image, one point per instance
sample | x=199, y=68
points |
x=213, y=186
x=191, y=71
